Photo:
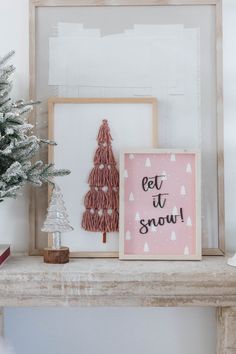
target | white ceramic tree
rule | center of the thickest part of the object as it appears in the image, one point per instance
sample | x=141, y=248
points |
x=232, y=261
x=57, y=219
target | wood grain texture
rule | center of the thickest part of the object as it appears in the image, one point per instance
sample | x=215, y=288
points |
x=212, y=252
x=52, y=256
x=27, y=281
x=121, y=2
x=220, y=331
x=102, y=100
x=94, y=254
x=226, y=330
x=220, y=125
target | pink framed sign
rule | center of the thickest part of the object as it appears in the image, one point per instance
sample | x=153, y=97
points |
x=160, y=207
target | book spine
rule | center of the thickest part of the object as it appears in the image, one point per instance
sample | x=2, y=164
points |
x=5, y=255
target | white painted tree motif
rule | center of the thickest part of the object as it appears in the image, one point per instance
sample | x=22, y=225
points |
x=146, y=247
x=173, y=236
x=188, y=168
x=131, y=197
x=172, y=157
x=128, y=235
x=189, y=221
x=186, y=251
x=148, y=162
x=183, y=190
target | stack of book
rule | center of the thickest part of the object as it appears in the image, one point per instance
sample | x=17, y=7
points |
x=4, y=253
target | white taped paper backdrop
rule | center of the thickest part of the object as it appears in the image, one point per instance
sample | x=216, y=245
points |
x=146, y=60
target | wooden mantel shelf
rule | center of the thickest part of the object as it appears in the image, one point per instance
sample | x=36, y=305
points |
x=27, y=281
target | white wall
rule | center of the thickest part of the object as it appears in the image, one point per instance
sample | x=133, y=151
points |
x=229, y=32
x=112, y=331
x=14, y=34
x=161, y=330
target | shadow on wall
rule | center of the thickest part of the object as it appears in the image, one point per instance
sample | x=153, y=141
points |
x=5, y=347
x=111, y=330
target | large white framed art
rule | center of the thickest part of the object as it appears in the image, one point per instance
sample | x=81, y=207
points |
x=75, y=52
x=74, y=124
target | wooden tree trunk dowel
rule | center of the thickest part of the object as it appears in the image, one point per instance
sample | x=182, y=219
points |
x=104, y=237
x=59, y=256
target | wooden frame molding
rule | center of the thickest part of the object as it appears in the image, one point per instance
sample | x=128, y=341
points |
x=121, y=2
x=34, y=4
x=226, y=329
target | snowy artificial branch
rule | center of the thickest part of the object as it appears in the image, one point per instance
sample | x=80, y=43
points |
x=17, y=144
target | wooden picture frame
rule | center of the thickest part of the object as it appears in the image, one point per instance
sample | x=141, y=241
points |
x=39, y=120
x=149, y=108
x=160, y=205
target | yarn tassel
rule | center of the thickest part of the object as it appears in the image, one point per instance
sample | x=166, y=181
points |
x=115, y=199
x=114, y=222
x=110, y=159
x=113, y=177
x=104, y=155
x=91, y=199
x=90, y=221
x=104, y=135
x=104, y=177
x=109, y=223
x=112, y=199
x=104, y=222
x=100, y=156
x=96, y=177
x=99, y=199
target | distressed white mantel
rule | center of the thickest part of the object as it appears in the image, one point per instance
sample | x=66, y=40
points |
x=27, y=281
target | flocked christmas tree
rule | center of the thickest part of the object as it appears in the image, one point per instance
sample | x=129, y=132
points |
x=57, y=219
x=17, y=143
x=102, y=200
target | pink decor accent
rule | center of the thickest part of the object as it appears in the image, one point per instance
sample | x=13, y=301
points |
x=160, y=187
x=102, y=200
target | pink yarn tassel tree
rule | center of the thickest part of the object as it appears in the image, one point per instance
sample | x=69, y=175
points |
x=102, y=200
